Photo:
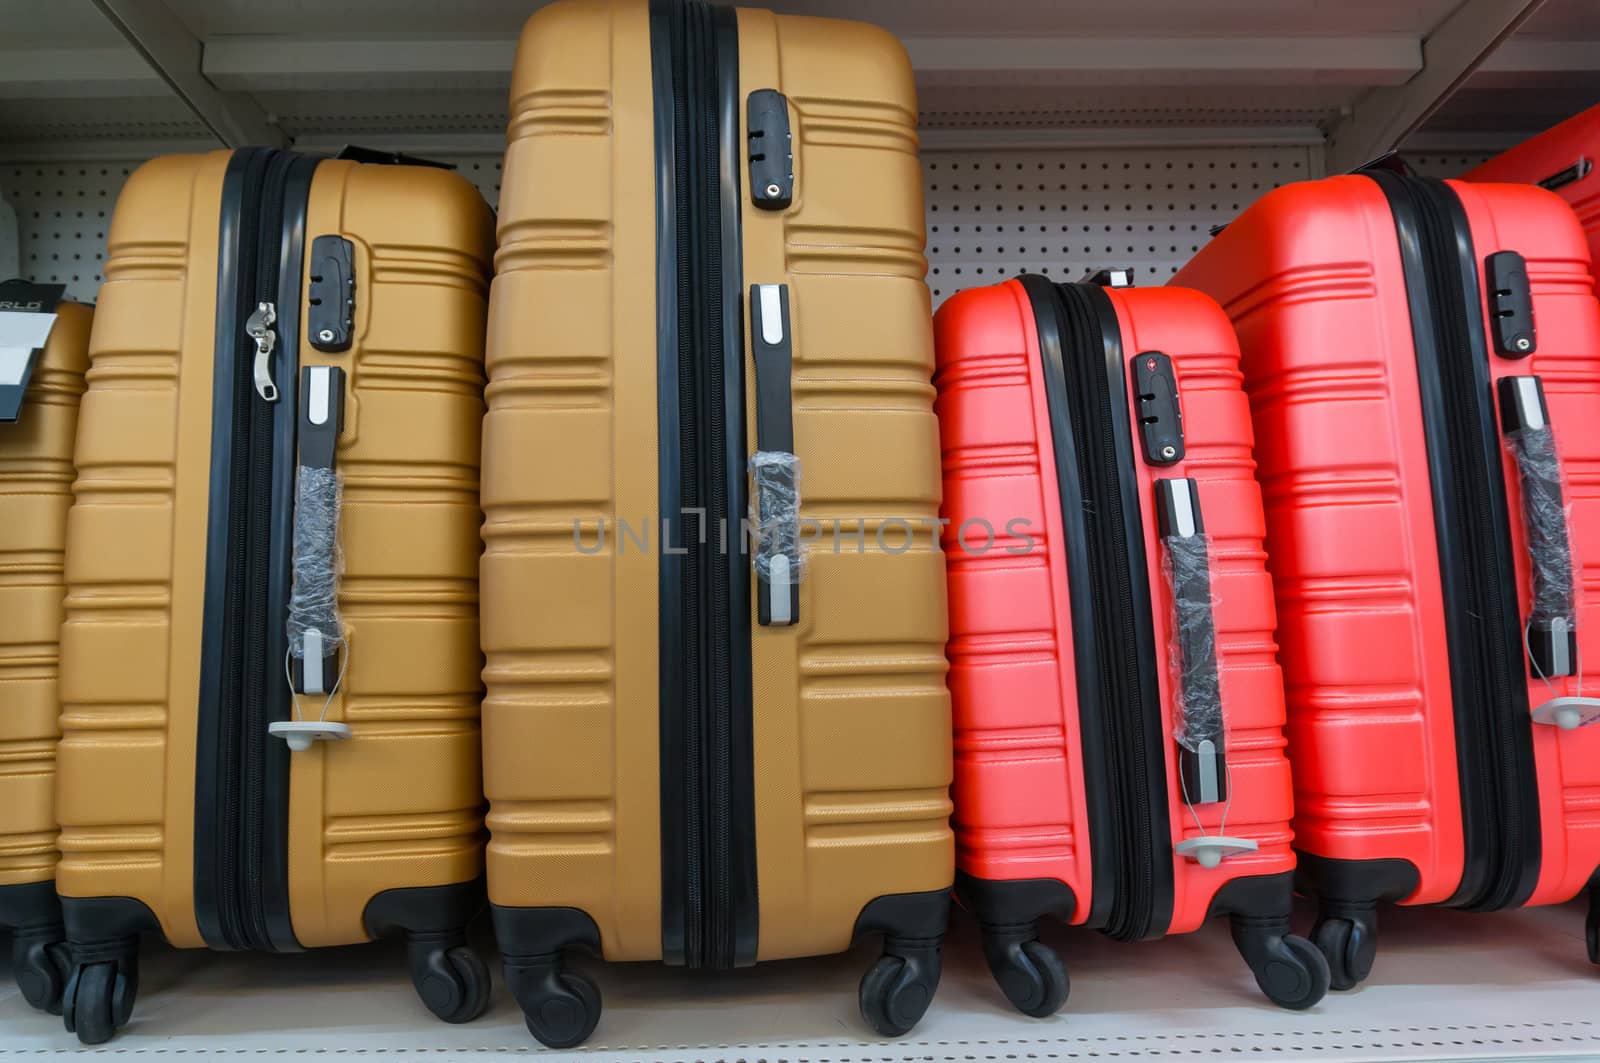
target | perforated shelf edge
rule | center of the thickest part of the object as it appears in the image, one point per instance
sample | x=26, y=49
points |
x=1447, y=985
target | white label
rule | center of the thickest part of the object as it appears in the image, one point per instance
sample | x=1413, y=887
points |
x=1528, y=400
x=21, y=329
x=778, y=584
x=311, y=662
x=1182, y=510
x=318, y=399
x=771, y=315
x=1207, y=756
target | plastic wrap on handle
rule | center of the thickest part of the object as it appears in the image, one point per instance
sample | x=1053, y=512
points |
x=1545, y=515
x=1198, y=726
x=1552, y=619
x=1194, y=651
x=314, y=622
x=779, y=561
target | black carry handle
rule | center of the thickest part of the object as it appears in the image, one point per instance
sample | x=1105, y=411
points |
x=1576, y=172
x=1552, y=632
x=777, y=574
x=380, y=157
x=315, y=533
x=1202, y=766
x=1390, y=161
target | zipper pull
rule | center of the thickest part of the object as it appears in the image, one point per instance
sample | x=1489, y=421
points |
x=259, y=328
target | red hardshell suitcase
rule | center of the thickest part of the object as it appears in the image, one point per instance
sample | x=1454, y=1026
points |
x=1118, y=705
x=1562, y=160
x=1423, y=363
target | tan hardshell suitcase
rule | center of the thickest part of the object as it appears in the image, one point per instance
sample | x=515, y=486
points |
x=711, y=260
x=40, y=388
x=270, y=666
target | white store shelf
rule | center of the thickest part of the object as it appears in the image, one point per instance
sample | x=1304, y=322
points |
x=1447, y=986
x=1062, y=134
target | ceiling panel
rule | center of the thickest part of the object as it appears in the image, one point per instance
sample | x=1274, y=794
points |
x=54, y=23
x=952, y=107
x=1545, y=74
x=908, y=17
x=1572, y=19
x=127, y=118
x=1177, y=81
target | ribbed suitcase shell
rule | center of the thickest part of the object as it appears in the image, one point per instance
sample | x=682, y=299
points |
x=398, y=804
x=1312, y=277
x=851, y=717
x=35, y=490
x=1573, y=143
x=1020, y=802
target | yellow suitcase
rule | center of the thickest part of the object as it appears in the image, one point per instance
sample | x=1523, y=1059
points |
x=711, y=257
x=40, y=388
x=270, y=667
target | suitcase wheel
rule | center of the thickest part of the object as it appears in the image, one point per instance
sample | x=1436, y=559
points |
x=98, y=999
x=1350, y=944
x=452, y=981
x=1029, y=972
x=1290, y=970
x=561, y=1007
x=42, y=965
x=897, y=989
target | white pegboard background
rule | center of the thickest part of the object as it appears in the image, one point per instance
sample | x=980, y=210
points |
x=64, y=211
x=1445, y=164
x=992, y=214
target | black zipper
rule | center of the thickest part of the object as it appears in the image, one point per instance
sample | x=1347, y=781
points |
x=241, y=775
x=1113, y=635
x=708, y=902
x=1499, y=797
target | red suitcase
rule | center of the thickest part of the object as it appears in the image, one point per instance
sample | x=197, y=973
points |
x=1560, y=159
x=1104, y=547
x=1423, y=363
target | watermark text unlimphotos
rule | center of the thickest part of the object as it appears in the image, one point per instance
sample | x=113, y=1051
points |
x=893, y=535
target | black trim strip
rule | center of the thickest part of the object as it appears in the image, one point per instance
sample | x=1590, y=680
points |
x=1202, y=759
x=241, y=776
x=1149, y=794
x=1483, y=622
x=1118, y=688
x=1097, y=768
x=709, y=915
x=773, y=362
x=214, y=766
x=744, y=918
x=673, y=644
x=274, y=808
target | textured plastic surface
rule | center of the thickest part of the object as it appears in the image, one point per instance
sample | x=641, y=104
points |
x=35, y=491
x=1020, y=805
x=775, y=509
x=1311, y=276
x=314, y=598
x=399, y=803
x=851, y=713
x=1197, y=716
x=1568, y=146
